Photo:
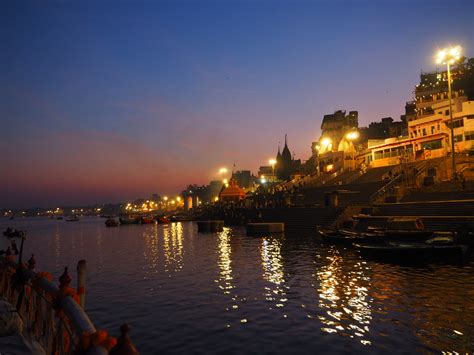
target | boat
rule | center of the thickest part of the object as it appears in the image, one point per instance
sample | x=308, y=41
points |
x=147, y=220
x=399, y=252
x=402, y=235
x=111, y=222
x=59, y=218
x=72, y=219
x=181, y=218
x=129, y=220
x=347, y=237
x=162, y=219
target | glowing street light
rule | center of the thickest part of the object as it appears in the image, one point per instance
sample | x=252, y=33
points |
x=272, y=162
x=165, y=198
x=449, y=56
x=352, y=136
x=223, y=171
x=325, y=142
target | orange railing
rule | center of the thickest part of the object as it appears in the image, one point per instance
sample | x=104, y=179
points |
x=52, y=314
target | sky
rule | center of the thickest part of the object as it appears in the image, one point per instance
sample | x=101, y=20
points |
x=108, y=101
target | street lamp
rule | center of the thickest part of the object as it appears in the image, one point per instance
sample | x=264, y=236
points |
x=449, y=56
x=353, y=136
x=272, y=162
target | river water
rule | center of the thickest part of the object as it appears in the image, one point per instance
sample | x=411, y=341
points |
x=186, y=292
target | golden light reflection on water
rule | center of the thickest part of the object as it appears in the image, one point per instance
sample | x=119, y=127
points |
x=173, y=246
x=225, y=261
x=273, y=272
x=150, y=253
x=343, y=295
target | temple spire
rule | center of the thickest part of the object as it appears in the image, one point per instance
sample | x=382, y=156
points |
x=285, y=140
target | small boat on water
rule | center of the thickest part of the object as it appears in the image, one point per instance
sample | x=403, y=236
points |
x=111, y=222
x=59, y=218
x=129, y=220
x=147, y=220
x=72, y=219
x=409, y=253
x=180, y=218
x=347, y=237
x=162, y=219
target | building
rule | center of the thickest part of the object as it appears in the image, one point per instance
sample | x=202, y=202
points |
x=336, y=149
x=428, y=122
x=286, y=166
x=232, y=192
x=429, y=136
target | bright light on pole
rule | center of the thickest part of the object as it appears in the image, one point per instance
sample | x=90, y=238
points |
x=352, y=136
x=325, y=142
x=449, y=56
x=223, y=170
x=272, y=162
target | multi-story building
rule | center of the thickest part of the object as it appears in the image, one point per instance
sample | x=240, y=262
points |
x=429, y=136
x=334, y=150
x=429, y=122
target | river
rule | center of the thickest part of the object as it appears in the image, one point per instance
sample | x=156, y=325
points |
x=183, y=292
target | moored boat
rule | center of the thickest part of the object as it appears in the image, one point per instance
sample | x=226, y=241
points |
x=413, y=252
x=347, y=237
x=162, y=219
x=111, y=222
x=129, y=220
x=72, y=219
x=147, y=220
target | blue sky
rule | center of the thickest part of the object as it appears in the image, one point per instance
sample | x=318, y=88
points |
x=111, y=100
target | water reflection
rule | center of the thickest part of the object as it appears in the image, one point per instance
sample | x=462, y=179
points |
x=173, y=246
x=343, y=296
x=272, y=264
x=225, y=261
x=150, y=253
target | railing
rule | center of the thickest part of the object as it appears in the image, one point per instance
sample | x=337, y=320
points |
x=386, y=189
x=52, y=315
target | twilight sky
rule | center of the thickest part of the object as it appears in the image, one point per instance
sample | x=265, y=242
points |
x=105, y=101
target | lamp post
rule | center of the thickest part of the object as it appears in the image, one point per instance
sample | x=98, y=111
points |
x=449, y=56
x=272, y=162
x=352, y=136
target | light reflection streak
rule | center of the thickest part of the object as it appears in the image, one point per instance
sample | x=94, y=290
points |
x=225, y=261
x=272, y=264
x=343, y=296
x=150, y=253
x=173, y=246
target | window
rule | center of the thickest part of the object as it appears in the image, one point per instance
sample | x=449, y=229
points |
x=378, y=154
x=386, y=153
x=432, y=129
x=456, y=123
x=424, y=131
x=458, y=138
x=447, y=113
x=469, y=136
x=430, y=145
x=438, y=127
